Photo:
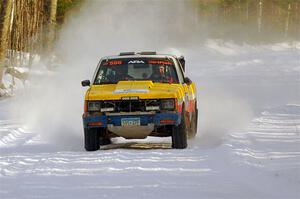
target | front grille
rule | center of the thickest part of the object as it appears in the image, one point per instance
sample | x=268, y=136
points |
x=129, y=105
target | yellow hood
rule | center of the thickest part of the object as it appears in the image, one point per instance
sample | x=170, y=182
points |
x=141, y=89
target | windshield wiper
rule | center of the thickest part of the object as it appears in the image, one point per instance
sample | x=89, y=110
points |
x=108, y=82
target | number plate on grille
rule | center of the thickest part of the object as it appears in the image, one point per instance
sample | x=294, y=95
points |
x=130, y=122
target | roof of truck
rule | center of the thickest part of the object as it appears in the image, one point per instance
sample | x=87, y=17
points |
x=138, y=55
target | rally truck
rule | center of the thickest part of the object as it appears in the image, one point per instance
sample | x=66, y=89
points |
x=135, y=95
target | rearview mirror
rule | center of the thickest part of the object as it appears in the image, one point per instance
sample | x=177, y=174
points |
x=86, y=83
x=188, y=81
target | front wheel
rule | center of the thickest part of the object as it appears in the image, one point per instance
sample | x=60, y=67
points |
x=179, y=134
x=91, y=139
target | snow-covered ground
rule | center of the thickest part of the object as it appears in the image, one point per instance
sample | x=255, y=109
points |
x=248, y=144
x=261, y=162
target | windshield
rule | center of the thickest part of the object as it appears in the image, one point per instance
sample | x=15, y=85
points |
x=156, y=70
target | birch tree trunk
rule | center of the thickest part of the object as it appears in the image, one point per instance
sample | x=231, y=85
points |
x=287, y=21
x=247, y=11
x=51, y=26
x=5, y=14
x=260, y=4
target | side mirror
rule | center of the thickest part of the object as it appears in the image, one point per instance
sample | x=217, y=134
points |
x=86, y=83
x=188, y=81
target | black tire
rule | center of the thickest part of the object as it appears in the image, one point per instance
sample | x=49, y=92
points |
x=194, y=124
x=179, y=134
x=196, y=120
x=91, y=139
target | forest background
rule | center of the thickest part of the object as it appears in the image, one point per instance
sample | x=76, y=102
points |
x=30, y=28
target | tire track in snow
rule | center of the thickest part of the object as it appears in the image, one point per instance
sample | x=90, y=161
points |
x=13, y=134
x=272, y=143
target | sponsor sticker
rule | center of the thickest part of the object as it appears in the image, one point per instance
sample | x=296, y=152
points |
x=113, y=63
x=136, y=62
x=131, y=91
x=160, y=62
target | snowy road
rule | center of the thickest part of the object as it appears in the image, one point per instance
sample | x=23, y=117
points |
x=262, y=162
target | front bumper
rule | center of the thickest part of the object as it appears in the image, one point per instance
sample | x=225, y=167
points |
x=146, y=118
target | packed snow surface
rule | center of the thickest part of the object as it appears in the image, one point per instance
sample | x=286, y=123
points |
x=248, y=143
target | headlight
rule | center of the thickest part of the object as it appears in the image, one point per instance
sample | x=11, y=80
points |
x=168, y=104
x=93, y=106
x=152, y=108
x=107, y=109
